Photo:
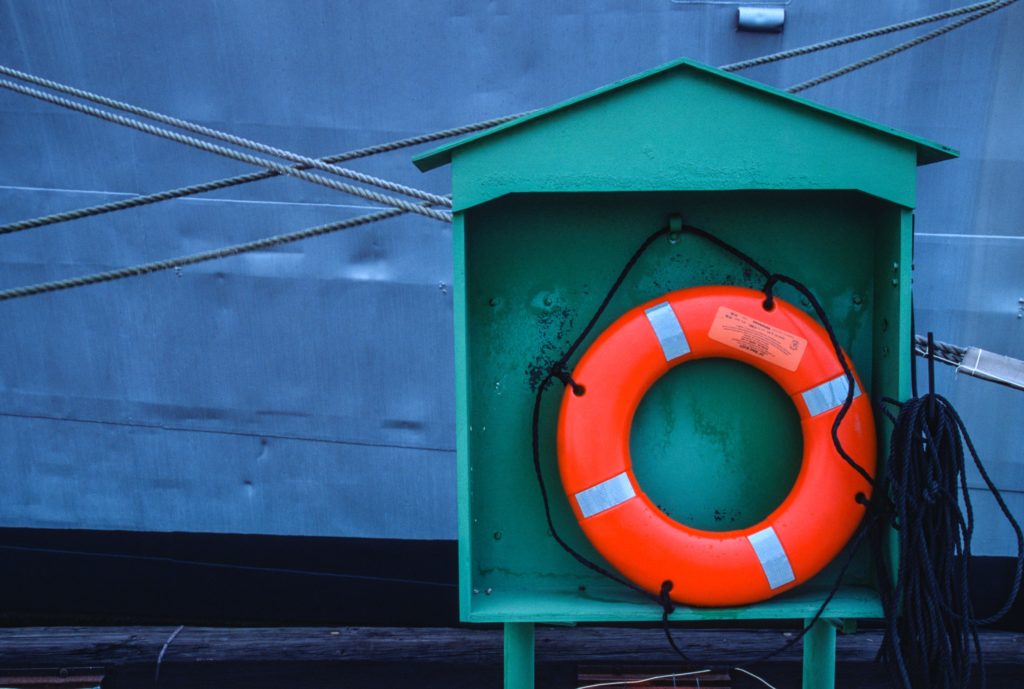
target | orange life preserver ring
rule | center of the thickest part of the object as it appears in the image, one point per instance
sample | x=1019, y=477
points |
x=710, y=568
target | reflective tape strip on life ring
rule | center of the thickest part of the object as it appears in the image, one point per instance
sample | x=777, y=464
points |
x=710, y=568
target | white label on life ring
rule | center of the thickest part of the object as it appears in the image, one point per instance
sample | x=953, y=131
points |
x=828, y=395
x=668, y=330
x=773, y=558
x=605, y=495
x=757, y=338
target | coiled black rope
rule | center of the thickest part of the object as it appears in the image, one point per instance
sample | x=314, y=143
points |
x=931, y=638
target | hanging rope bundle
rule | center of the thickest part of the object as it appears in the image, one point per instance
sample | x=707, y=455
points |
x=931, y=637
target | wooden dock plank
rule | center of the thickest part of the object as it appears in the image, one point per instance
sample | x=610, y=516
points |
x=113, y=646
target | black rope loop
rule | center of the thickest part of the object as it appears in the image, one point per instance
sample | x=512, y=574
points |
x=769, y=291
x=666, y=602
x=819, y=311
x=667, y=608
x=560, y=371
x=878, y=509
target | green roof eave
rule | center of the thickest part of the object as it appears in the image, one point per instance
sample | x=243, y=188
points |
x=927, y=151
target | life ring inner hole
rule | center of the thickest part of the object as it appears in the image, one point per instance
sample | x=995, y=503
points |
x=716, y=444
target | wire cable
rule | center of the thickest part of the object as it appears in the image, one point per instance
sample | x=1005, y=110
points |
x=233, y=139
x=978, y=10
x=853, y=38
x=163, y=651
x=924, y=38
x=644, y=680
x=424, y=138
x=224, y=565
x=192, y=259
x=760, y=679
x=228, y=182
x=382, y=199
x=952, y=354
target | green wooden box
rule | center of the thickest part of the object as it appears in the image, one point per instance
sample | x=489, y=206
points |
x=549, y=207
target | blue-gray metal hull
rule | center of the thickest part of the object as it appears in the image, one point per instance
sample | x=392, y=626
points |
x=307, y=390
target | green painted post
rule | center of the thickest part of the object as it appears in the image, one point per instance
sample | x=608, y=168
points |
x=820, y=656
x=518, y=655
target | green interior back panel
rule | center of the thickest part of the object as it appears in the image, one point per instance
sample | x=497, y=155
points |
x=716, y=443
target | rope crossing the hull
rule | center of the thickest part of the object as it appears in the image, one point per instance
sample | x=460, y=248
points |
x=950, y=353
x=304, y=161
x=327, y=164
x=895, y=50
x=229, y=182
x=201, y=257
x=982, y=7
x=406, y=142
x=382, y=199
x=861, y=36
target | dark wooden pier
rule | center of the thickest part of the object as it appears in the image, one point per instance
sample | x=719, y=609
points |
x=325, y=657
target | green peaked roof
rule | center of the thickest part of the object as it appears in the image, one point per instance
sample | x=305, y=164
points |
x=927, y=151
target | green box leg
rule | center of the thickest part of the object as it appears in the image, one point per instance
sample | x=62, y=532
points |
x=518, y=655
x=820, y=656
